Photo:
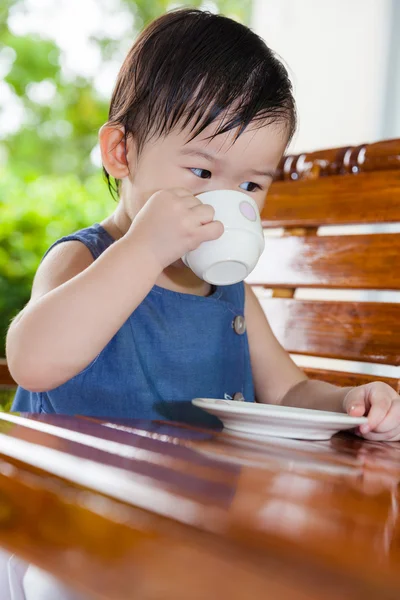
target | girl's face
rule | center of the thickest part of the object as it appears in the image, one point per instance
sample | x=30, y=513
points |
x=201, y=165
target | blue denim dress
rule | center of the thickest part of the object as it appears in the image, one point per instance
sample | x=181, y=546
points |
x=174, y=347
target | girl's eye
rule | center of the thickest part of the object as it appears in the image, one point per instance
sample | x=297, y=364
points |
x=251, y=187
x=202, y=173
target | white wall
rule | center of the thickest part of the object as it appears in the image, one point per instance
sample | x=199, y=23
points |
x=338, y=55
x=391, y=125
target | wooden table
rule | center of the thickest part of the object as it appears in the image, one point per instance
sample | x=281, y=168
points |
x=142, y=510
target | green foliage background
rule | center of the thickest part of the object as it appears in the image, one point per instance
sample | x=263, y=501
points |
x=48, y=185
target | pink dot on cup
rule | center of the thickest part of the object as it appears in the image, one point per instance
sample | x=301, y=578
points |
x=248, y=211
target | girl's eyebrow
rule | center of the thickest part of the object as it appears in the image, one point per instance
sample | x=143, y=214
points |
x=263, y=172
x=202, y=153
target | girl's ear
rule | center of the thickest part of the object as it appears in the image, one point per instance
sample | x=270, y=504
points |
x=113, y=151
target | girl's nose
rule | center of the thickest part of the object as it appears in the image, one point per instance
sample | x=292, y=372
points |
x=215, y=185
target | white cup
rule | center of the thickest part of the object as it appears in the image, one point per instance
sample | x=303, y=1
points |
x=234, y=255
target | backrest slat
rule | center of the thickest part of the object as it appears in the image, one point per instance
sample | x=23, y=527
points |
x=349, y=199
x=358, y=331
x=381, y=156
x=349, y=379
x=355, y=262
x=5, y=377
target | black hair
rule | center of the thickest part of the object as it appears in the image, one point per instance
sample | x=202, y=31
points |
x=193, y=67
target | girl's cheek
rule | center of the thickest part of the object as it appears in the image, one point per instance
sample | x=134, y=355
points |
x=188, y=180
x=174, y=177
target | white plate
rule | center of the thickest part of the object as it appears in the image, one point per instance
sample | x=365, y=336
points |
x=254, y=421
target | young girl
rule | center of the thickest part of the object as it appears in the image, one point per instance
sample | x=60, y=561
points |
x=116, y=325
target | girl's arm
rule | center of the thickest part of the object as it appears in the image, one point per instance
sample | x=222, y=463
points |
x=77, y=306
x=277, y=379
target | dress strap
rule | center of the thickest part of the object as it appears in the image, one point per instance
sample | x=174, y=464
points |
x=95, y=238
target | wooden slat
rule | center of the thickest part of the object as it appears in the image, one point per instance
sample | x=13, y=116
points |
x=380, y=156
x=357, y=261
x=363, y=198
x=345, y=379
x=5, y=377
x=362, y=331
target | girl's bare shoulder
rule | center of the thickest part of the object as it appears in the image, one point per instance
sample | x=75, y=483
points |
x=62, y=263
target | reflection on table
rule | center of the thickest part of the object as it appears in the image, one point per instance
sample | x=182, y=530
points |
x=20, y=580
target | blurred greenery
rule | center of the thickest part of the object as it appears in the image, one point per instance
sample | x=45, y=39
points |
x=6, y=399
x=49, y=185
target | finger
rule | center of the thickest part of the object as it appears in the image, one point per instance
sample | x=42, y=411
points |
x=356, y=410
x=203, y=213
x=354, y=402
x=377, y=414
x=182, y=192
x=393, y=435
x=187, y=196
x=210, y=231
x=392, y=418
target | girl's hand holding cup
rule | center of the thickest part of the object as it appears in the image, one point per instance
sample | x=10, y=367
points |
x=174, y=222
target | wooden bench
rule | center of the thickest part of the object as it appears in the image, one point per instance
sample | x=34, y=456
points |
x=7, y=386
x=5, y=376
x=340, y=186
